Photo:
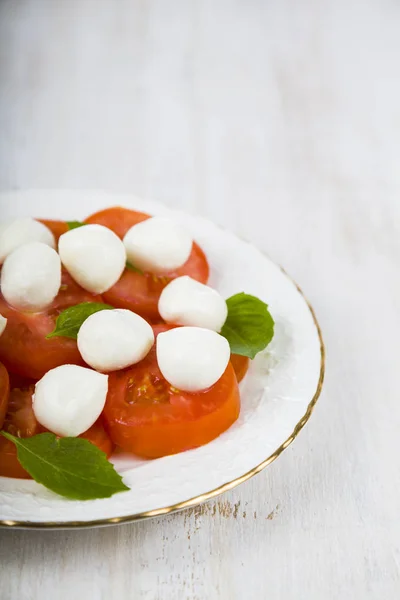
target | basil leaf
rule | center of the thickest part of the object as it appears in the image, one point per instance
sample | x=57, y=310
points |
x=133, y=268
x=249, y=327
x=72, y=467
x=74, y=224
x=70, y=320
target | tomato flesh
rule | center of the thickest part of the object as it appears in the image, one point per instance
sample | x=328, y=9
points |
x=56, y=227
x=117, y=218
x=140, y=292
x=240, y=365
x=4, y=393
x=137, y=291
x=21, y=422
x=146, y=416
x=99, y=437
x=24, y=348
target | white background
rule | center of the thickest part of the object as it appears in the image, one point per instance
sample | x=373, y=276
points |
x=279, y=120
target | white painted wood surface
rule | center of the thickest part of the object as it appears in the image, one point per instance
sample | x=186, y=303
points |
x=280, y=120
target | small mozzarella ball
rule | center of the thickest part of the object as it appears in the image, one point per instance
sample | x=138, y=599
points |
x=191, y=358
x=186, y=301
x=22, y=231
x=31, y=277
x=94, y=256
x=110, y=340
x=69, y=399
x=158, y=245
x=3, y=323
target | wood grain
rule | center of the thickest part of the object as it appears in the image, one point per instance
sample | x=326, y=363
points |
x=279, y=120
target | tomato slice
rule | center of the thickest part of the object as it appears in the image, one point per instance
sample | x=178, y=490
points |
x=4, y=393
x=24, y=348
x=140, y=292
x=9, y=463
x=146, y=416
x=137, y=291
x=119, y=219
x=21, y=421
x=240, y=365
x=56, y=227
x=99, y=437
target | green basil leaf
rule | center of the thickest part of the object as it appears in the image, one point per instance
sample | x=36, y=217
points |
x=72, y=467
x=249, y=327
x=133, y=268
x=75, y=224
x=70, y=320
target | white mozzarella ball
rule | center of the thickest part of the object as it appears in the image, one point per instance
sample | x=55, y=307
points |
x=69, y=399
x=3, y=323
x=31, y=277
x=110, y=340
x=191, y=358
x=158, y=245
x=94, y=256
x=22, y=231
x=186, y=301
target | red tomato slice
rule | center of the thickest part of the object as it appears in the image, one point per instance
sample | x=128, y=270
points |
x=21, y=422
x=4, y=393
x=9, y=464
x=119, y=219
x=137, y=292
x=24, y=348
x=140, y=291
x=146, y=416
x=240, y=364
x=57, y=227
x=99, y=437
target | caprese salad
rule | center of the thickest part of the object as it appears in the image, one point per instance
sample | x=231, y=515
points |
x=111, y=340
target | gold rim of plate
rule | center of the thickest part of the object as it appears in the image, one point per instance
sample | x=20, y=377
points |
x=207, y=495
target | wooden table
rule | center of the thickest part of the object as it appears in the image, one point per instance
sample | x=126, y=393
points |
x=281, y=121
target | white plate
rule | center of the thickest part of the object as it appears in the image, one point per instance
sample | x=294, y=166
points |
x=278, y=394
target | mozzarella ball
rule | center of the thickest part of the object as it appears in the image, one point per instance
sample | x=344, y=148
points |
x=22, y=231
x=94, y=256
x=69, y=399
x=3, y=323
x=158, y=245
x=186, y=301
x=110, y=340
x=191, y=358
x=31, y=277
